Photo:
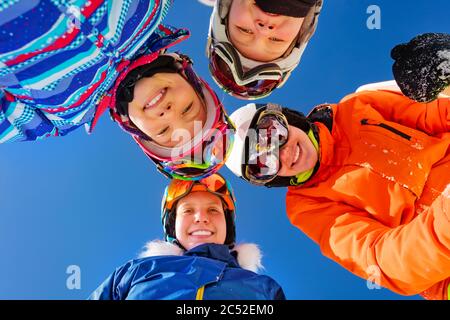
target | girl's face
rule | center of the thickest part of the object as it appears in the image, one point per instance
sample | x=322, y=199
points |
x=258, y=35
x=200, y=219
x=165, y=107
x=298, y=154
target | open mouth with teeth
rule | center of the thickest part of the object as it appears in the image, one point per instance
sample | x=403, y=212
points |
x=156, y=99
x=201, y=233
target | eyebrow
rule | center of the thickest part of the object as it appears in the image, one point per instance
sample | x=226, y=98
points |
x=214, y=204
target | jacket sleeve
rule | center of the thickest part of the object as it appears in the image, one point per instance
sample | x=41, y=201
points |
x=115, y=287
x=275, y=290
x=8, y=132
x=439, y=291
x=278, y=294
x=407, y=259
x=432, y=118
x=22, y=122
x=105, y=291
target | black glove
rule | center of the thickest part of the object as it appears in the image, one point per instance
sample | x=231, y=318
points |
x=422, y=66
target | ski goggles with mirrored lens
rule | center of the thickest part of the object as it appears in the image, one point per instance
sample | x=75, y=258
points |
x=263, y=164
x=215, y=184
x=227, y=70
x=204, y=161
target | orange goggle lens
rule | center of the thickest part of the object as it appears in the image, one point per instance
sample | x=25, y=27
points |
x=215, y=184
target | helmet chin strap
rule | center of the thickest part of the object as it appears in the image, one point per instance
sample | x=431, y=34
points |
x=176, y=242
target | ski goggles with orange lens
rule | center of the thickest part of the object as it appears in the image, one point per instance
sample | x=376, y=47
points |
x=262, y=163
x=215, y=184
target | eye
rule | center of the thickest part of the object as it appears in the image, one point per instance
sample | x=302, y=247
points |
x=187, y=109
x=214, y=210
x=187, y=211
x=244, y=30
x=276, y=39
x=163, y=131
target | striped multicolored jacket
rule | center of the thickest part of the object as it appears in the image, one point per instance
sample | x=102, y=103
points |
x=59, y=57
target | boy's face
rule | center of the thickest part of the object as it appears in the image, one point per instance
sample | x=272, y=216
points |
x=200, y=219
x=298, y=154
x=165, y=107
x=258, y=35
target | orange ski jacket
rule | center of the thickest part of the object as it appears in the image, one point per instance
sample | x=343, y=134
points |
x=379, y=203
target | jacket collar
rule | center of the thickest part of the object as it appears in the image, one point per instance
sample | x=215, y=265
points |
x=245, y=255
x=219, y=252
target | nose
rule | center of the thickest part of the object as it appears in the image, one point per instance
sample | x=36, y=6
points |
x=264, y=26
x=263, y=22
x=164, y=110
x=201, y=216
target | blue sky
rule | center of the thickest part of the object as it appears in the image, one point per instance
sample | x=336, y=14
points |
x=93, y=201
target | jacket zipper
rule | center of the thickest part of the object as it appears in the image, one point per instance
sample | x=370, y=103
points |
x=366, y=122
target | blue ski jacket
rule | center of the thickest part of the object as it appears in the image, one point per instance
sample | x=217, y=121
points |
x=206, y=272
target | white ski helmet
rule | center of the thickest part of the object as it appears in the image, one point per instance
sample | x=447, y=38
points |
x=242, y=119
x=245, y=78
x=246, y=117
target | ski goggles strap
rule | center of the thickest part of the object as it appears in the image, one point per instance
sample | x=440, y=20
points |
x=215, y=184
x=262, y=163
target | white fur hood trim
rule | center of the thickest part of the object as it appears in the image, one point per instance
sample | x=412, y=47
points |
x=248, y=254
